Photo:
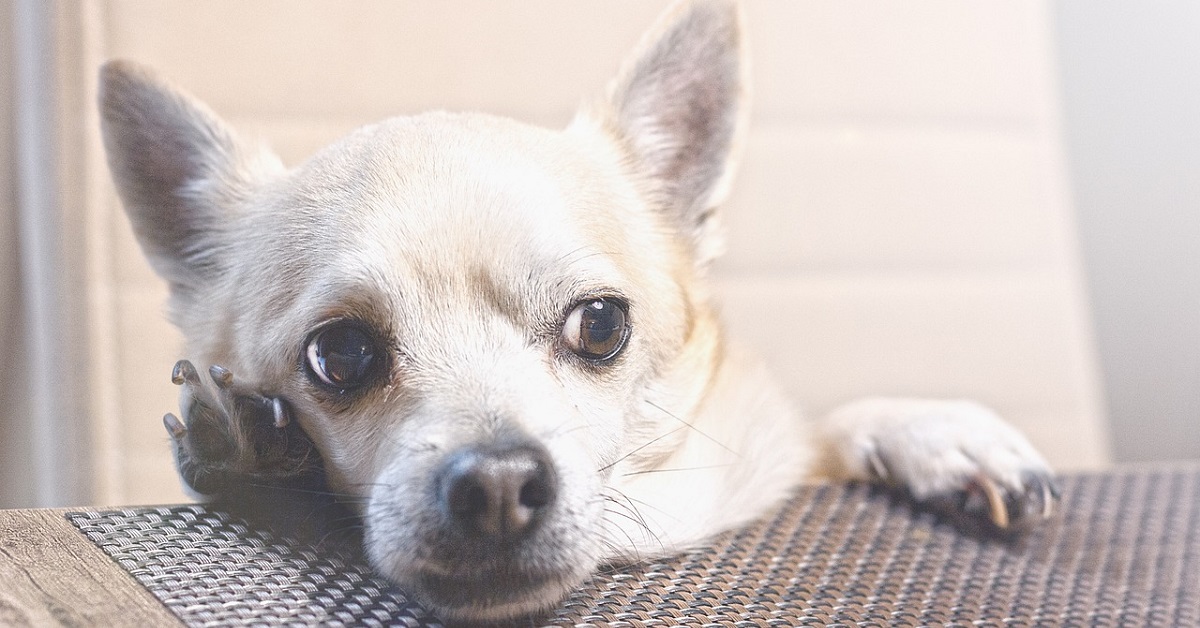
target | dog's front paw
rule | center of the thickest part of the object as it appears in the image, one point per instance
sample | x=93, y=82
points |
x=231, y=438
x=956, y=456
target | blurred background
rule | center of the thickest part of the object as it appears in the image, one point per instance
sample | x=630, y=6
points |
x=997, y=200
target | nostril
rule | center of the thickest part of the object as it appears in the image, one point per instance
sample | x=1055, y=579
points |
x=537, y=492
x=466, y=496
x=497, y=492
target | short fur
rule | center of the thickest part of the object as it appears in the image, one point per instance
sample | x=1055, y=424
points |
x=463, y=242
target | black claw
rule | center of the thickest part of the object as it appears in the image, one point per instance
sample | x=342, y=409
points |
x=980, y=500
x=184, y=372
x=280, y=412
x=879, y=468
x=222, y=376
x=1041, y=496
x=174, y=426
x=1054, y=487
x=983, y=504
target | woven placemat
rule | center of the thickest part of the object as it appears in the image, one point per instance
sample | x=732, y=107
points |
x=212, y=569
x=1125, y=552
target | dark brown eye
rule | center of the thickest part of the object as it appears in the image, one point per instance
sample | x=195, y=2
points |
x=596, y=329
x=342, y=356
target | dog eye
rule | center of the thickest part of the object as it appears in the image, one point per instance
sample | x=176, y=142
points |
x=342, y=356
x=596, y=329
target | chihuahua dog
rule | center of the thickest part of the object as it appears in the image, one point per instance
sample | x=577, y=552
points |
x=495, y=341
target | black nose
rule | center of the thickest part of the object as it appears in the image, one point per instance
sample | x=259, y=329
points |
x=498, y=492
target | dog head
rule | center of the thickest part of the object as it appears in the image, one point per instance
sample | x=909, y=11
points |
x=477, y=321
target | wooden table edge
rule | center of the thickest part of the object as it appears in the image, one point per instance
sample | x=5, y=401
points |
x=51, y=574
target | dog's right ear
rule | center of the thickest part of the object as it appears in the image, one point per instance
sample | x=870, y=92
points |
x=179, y=170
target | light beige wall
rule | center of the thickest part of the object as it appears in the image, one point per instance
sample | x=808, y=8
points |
x=900, y=225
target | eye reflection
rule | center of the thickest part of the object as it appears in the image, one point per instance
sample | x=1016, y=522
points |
x=596, y=329
x=342, y=356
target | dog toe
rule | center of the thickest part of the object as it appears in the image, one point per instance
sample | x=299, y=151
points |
x=221, y=376
x=1038, y=501
x=981, y=499
x=175, y=428
x=184, y=372
x=956, y=457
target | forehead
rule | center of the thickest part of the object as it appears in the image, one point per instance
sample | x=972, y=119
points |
x=468, y=178
x=466, y=200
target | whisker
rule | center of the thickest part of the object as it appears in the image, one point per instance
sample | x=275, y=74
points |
x=712, y=466
x=563, y=258
x=340, y=530
x=647, y=505
x=630, y=518
x=632, y=508
x=622, y=458
x=698, y=430
x=370, y=484
x=632, y=545
x=291, y=489
x=566, y=427
x=638, y=518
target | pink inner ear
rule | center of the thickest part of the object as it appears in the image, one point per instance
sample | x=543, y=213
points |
x=678, y=102
x=177, y=167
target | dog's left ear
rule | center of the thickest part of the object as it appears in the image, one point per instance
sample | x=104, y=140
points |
x=678, y=105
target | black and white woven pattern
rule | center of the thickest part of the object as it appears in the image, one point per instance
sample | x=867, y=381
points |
x=1125, y=552
x=212, y=570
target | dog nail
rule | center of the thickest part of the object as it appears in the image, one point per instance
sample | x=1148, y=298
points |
x=997, y=509
x=878, y=467
x=1050, y=493
x=184, y=372
x=1054, y=488
x=174, y=426
x=177, y=373
x=280, y=411
x=1047, y=501
x=221, y=375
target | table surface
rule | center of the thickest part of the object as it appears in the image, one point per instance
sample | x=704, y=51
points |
x=852, y=554
x=51, y=574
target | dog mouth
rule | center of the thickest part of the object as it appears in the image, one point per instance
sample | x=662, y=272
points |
x=489, y=532
x=473, y=581
x=485, y=594
x=482, y=580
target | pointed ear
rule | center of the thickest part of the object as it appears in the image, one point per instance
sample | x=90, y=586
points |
x=678, y=104
x=179, y=171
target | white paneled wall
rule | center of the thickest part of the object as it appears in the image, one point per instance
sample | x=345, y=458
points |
x=900, y=224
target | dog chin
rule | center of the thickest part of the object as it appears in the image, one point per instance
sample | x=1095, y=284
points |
x=491, y=596
x=477, y=581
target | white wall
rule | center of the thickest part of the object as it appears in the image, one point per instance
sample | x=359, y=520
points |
x=1131, y=85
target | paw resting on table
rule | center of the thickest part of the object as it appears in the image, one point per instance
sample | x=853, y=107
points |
x=957, y=457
